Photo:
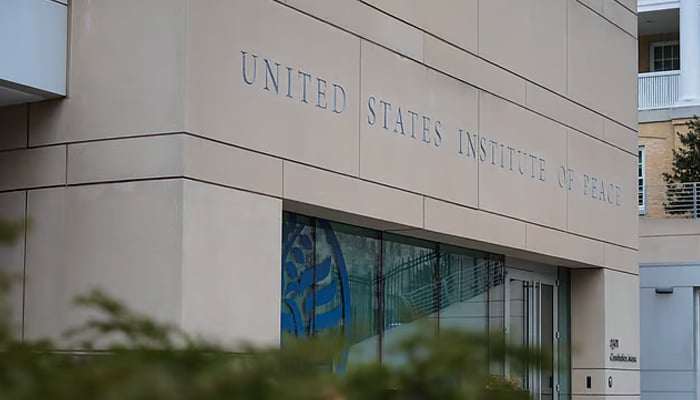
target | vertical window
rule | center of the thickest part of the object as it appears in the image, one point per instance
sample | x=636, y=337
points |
x=665, y=56
x=641, y=175
x=410, y=290
x=564, y=329
x=359, y=250
x=329, y=284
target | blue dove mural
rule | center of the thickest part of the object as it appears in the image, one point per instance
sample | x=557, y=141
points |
x=315, y=287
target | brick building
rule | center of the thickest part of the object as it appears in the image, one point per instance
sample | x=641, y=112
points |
x=669, y=231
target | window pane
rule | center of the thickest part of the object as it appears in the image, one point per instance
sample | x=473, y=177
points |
x=410, y=291
x=564, y=320
x=518, y=324
x=359, y=250
x=464, y=284
x=472, y=295
x=329, y=284
x=640, y=177
x=665, y=57
x=297, y=256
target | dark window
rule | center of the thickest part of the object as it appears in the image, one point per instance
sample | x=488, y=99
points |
x=665, y=56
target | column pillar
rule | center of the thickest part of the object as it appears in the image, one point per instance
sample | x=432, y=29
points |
x=604, y=334
x=690, y=52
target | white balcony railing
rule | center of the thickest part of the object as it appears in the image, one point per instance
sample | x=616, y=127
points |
x=658, y=89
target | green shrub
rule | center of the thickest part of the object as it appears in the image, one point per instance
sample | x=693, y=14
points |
x=127, y=356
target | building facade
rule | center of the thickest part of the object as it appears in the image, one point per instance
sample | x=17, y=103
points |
x=464, y=164
x=669, y=91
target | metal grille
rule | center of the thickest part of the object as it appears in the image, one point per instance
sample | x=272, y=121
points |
x=458, y=287
x=677, y=200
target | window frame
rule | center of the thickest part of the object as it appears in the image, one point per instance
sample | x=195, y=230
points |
x=654, y=45
x=642, y=180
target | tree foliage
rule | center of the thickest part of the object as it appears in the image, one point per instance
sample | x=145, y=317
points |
x=686, y=159
x=10, y=231
x=124, y=355
x=681, y=192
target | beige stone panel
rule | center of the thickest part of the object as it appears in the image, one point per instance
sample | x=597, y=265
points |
x=407, y=10
x=175, y=155
x=221, y=105
x=124, y=238
x=564, y=245
x=13, y=127
x=526, y=37
x=621, y=136
x=509, y=192
x=625, y=383
x=622, y=317
x=605, y=306
x=337, y=192
x=600, y=216
x=669, y=227
x=124, y=159
x=341, y=216
x=473, y=70
x=462, y=241
x=588, y=305
x=524, y=264
x=602, y=65
x=367, y=22
x=620, y=16
x=12, y=208
x=28, y=168
x=631, y=5
x=420, y=154
x=121, y=81
x=669, y=249
x=563, y=110
x=231, y=265
x=621, y=258
x=455, y=21
x=230, y=166
x=451, y=219
x=596, y=5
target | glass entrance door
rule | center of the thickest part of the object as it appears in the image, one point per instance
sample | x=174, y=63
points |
x=531, y=320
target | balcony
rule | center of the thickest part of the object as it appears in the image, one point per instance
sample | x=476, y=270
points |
x=656, y=5
x=658, y=90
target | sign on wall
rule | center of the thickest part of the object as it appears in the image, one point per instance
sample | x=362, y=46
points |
x=295, y=85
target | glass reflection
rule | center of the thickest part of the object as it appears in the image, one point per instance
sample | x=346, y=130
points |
x=376, y=288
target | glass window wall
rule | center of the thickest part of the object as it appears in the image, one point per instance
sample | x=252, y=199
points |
x=375, y=288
